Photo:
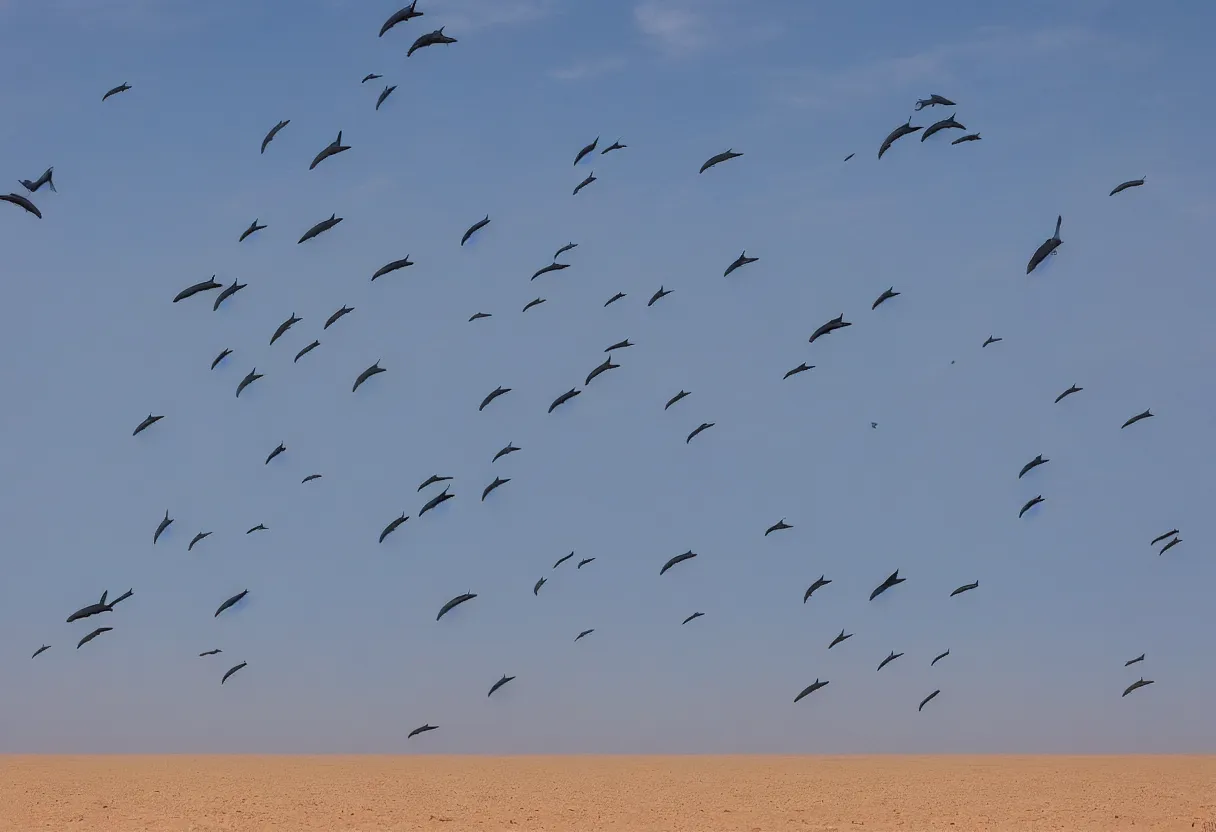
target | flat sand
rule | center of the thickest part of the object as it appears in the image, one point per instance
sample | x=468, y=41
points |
x=590, y=794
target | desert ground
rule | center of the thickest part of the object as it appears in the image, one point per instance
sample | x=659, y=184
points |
x=596, y=794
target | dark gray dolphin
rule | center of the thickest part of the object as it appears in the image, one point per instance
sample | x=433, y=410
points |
x=332, y=149
x=563, y=398
x=892, y=580
x=505, y=678
x=47, y=178
x=887, y=295
x=320, y=228
x=497, y=482
x=92, y=636
x=741, y=260
x=146, y=423
x=385, y=93
x=719, y=158
x=306, y=350
x=689, y=555
x=393, y=266
x=676, y=398
x=494, y=394
x=840, y=638
x=233, y=600
x=164, y=524
x=455, y=602
x=123, y=87
x=23, y=202
x=1131, y=183
x=227, y=293
x=249, y=379
x=400, y=16
x=890, y=658
x=1073, y=389
x=659, y=295
x=283, y=327
x=587, y=149
x=429, y=39
x=1138, y=417
x=809, y=689
x=345, y=310
x=590, y=178
x=944, y=124
x=776, y=527
x=932, y=101
x=1046, y=247
x=203, y=286
x=831, y=326
x=475, y=227
x=274, y=131
x=1031, y=503
x=392, y=527
x=439, y=498
x=600, y=370
x=373, y=370
x=896, y=134
x=821, y=581
x=508, y=449
x=1030, y=466
x=1137, y=685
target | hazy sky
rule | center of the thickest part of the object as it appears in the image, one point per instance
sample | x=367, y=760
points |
x=344, y=651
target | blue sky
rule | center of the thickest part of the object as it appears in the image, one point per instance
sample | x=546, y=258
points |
x=344, y=652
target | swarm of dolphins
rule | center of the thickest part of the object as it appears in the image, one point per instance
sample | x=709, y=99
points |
x=423, y=40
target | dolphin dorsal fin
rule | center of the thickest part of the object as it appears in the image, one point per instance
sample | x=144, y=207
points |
x=103, y=597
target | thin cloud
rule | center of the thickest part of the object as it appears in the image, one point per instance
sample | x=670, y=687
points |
x=588, y=70
x=143, y=16
x=939, y=65
x=681, y=29
x=678, y=28
x=467, y=15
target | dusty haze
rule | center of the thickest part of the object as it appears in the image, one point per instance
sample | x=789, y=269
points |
x=345, y=794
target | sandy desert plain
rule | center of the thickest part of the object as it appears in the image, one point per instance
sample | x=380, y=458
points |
x=588, y=794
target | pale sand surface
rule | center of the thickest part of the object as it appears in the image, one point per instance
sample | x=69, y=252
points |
x=588, y=794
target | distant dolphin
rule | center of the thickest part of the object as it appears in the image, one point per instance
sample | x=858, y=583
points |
x=689, y=555
x=231, y=601
x=811, y=688
x=455, y=602
x=505, y=678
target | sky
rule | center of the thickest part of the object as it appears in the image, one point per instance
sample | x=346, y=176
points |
x=339, y=631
